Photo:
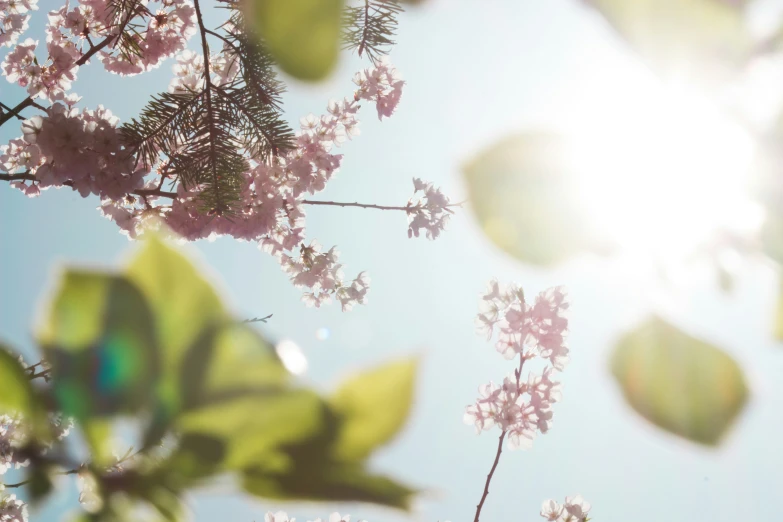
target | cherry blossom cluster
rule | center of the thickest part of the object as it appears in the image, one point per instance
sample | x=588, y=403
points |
x=189, y=70
x=84, y=149
x=80, y=149
x=429, y=210
x=282, y=516
x=522, y=407
x=380, y=84
x=14, y=434
x=14, y=19
x=12, y=509
x=574, y=509
x=12, y=437
x=137, y=42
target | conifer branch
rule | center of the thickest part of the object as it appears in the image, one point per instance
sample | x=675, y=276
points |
x=371, y=28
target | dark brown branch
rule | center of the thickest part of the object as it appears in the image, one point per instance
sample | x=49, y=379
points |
x=210, y=113
x=360, y=205
x=26, y=176
x=489, y=476
x=27, y=102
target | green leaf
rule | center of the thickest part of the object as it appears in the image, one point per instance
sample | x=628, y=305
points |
x=229, y=360
x=184, y=304
x=678, y=382
x=701, y=39
x=523, y=192
x=302, y=35
x=99, y=337
x=336, y=483
x=16, y=393
x=363, y=423
x=254, y=428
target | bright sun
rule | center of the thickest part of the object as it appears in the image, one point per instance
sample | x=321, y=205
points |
x=666, y=176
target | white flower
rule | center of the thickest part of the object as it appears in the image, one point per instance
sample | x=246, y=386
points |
x=12, y=510
x=280, y=516
x=551, y=510
x=576, y=509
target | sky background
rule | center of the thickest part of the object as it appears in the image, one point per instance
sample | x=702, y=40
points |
x=475, y=71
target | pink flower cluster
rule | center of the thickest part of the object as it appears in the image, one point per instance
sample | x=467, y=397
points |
x=168, y=29
x=14, y=18
x=84, y=150
x=12, y=509
x=574, y=509
x=189, y=70
x=429, y=211
x=155, y=36
x=282, y=516
x=522, y=407
x=78, y=149
x=380, y=84
x=44, y=81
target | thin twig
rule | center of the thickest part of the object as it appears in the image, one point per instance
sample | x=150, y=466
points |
x=489, y=476
x=258, y=319
x=360, y=205
x=518, y=374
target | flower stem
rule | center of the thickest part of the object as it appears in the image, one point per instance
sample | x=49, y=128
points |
x=489, y=476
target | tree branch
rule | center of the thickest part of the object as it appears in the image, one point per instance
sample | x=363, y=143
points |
x=27, y=102
x=489, y=476
x=360, y=205
x=210, y=113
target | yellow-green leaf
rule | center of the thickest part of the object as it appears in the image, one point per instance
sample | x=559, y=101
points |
x=679, y=383
x=523, y=192
x=183, y=303
x=371, y=408
x=302, y=35
x=333, y=483
x=254, y=427
x=16, y=392
x=700, y=39
x=99, y=337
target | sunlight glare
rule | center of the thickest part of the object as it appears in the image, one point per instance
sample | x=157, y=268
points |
x=663, y=178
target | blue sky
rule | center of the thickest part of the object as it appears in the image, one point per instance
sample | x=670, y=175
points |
x=475, y=71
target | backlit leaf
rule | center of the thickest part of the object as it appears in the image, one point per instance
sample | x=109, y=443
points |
x=302, y=35
x=523, y=192
x=679, y=383
x=99, y=337
x=701, y=39
x=372, y=407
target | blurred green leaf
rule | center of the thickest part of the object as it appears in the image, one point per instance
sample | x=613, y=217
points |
x=229, y=360
x=302, y=35
x=372, y=407
x=523, y=192
x=185, y=305
x=99, y=337
x=701, y=39
x=255, y=427
x=678, y=382
x=16, y=392
x=181, y=300
x=337, y=483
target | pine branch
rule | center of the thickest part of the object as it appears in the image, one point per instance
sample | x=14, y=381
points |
x=371, y=28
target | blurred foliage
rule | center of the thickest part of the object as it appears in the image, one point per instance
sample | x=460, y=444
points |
x=679, y=383
x=155, y=345
x=698, y=39
x=303, y=36
x=523, y=192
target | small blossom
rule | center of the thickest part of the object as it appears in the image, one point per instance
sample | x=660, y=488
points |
x=551, y=510
x=12, y=509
